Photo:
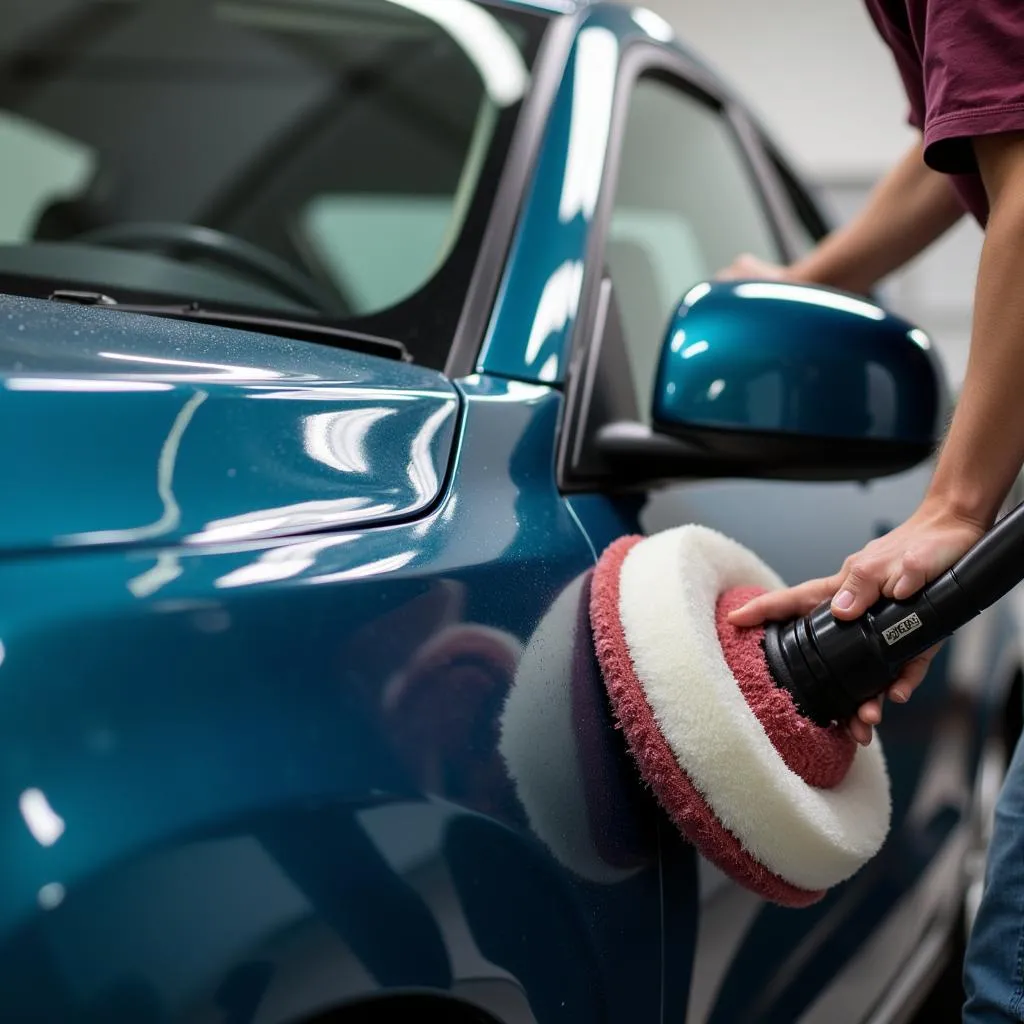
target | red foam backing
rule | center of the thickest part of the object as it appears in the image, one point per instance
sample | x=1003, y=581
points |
x=821, y=757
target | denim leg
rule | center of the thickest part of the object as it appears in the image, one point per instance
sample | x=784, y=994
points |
x=993, y=978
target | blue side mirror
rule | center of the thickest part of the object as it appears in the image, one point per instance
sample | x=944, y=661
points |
x=797, y=381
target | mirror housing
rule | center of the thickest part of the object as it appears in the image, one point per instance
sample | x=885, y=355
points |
x=783, y=380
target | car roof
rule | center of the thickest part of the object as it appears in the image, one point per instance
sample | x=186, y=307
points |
x=548, y=6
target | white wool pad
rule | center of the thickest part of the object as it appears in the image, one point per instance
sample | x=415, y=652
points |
x=812, y=838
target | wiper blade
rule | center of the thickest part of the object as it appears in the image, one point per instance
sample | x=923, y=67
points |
x=302, y=330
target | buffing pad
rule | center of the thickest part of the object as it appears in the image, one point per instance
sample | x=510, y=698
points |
x=555, y=730
x=786, y=808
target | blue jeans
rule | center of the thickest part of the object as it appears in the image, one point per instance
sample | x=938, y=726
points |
x=994, y=965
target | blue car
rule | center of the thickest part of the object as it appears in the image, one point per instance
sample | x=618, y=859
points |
x=338, y=338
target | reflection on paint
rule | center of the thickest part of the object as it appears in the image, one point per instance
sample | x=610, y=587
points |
x=678, y=340
x=653, y=24
x=339, y=393
x=166, y=570
x=557, y=306
x=918, y=337
x=375, y=568
x=50, y=896
x=517, y=391
x=811, y=296
x=696, y=349
x=715, y=389
x=302, y=514
x=43, y=822
x=281, y=563
x=696, y=293
x=338, y=439
x=215, y=371
x=83, y=384
x=171, y=516
x=421, y=470
x=597, y=56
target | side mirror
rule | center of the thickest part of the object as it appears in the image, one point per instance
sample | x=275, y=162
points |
x=761, y=378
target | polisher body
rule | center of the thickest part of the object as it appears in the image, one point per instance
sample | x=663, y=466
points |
x=831, y=666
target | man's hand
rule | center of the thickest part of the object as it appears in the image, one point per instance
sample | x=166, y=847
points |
x=897, y=565
x=747, y=267
x=907, y=210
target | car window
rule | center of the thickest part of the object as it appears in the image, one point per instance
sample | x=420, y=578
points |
x=685, y=206
x=806, y=223
x=40, y=167
x=358, y=141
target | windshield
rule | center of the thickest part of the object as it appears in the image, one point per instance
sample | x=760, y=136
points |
x=327, y=159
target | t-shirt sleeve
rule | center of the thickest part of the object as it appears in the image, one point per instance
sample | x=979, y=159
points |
x=973, y=57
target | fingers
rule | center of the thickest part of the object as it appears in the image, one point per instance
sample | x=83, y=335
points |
x=912, y=675
x=748, y=266
x=913, y=575
x=869, y=714
x=862, y=724
x=860, y=586
x=860, y=731
x=739, y=268
x=779, y=605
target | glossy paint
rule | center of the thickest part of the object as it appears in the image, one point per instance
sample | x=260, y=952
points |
x=540, y=292
x=780, y=358
x=277, y=773
x=247, y=769
x=118, y=429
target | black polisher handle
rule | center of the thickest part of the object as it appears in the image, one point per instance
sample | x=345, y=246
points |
x=987, y=572
x=832, y=667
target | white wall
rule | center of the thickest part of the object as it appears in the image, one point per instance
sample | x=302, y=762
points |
x=814, y=69
x=826, y=86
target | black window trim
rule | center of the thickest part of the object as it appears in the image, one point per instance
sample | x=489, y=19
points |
x=639, y=60
x=793, y=213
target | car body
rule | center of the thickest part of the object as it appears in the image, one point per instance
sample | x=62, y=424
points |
x=299, y=720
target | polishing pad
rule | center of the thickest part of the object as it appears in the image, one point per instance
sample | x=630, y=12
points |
x=557, y=740
x=786, y=808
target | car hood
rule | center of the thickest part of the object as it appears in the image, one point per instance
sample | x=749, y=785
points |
x=117, y=428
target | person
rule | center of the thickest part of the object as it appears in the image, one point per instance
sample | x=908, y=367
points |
x=962, y=68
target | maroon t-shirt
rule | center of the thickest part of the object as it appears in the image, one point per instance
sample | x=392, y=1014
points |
x=962, y=65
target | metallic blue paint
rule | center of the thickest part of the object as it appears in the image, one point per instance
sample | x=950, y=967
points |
x=787, y=359
x=119, y=428
x=529, y=333
x=196, y=761
x=272, y=774
x=540, y=290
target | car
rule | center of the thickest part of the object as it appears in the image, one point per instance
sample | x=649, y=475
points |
x=338, y=339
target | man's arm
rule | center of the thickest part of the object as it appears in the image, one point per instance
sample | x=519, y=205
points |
x=905, y=212
x=983, y=449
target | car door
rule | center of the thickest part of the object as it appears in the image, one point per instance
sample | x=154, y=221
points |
x=686, y=191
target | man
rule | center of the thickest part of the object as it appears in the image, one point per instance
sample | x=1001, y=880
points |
x=962, y=66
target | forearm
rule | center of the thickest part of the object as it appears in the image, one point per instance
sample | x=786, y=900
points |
x=984, y=447
x=907, y=211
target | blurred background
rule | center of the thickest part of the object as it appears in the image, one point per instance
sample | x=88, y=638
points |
x=825, y=85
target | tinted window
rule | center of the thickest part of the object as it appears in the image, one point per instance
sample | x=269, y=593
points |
x=685, y=206
x=358, y=141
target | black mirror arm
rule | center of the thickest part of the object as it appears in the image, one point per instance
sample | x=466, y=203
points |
x=636, y=451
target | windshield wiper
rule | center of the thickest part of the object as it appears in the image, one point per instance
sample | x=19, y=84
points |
x=303, y=330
